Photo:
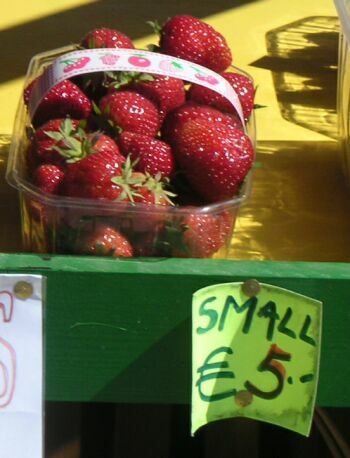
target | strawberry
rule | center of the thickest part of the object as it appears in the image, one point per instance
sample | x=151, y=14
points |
x=130, y=111
x=64, y=99
x=28, y=91
x=91, y=176
x=96, y=142
x=105, y=241
x=94, y=83
x=61, y=141
x=152, y=155
x=31, y=159
x=148, y=243
x=198, y=235
x=165, y=92
x=108, y=176
x=204, y=235
x=54, y=134
x=191, y=39
x=241, y=84
x=152, y=190
x=143, y=246
x=201, y=236
x=214, y=158
x=48, y=178
x=191, y=111
x=106, y=38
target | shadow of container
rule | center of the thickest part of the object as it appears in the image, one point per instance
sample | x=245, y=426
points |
x=302, y=57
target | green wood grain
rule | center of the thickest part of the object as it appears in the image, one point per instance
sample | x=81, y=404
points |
x=119, y=330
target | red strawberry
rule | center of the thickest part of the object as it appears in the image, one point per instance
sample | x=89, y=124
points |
x=192, y=39
x=131, y=111
x=241, y=84
x=31, y=159
x=28, y=90
x=54, y=134
x=108, y=176
x=91, y=177
x=156, y=199
x=152, y=155
x=106, y=38
x=62, y=141
x=152, y=191
x=198, y=235
x=96, y=142
x=147, y=244
x=202, y=236
x=105, y=241
x=191, y=111
x=214, y=158
x=64, y=99
x=48, y=178
x=143, y=247
x=94, y=83
x=165, y=92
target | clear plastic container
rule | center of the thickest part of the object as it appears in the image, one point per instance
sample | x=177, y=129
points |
x=58, y=225
x=343, y=89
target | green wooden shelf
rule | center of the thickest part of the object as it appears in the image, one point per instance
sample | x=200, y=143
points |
x=120, y=330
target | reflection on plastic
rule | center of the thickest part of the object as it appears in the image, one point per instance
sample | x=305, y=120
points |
x=299, y=209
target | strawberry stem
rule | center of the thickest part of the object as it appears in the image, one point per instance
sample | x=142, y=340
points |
x=156, y=27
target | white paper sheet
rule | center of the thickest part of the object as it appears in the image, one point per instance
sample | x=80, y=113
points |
x=21, y=366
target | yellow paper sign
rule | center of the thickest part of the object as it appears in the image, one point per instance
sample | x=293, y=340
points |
x=256, y=351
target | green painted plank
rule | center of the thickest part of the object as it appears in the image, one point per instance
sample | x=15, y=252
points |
x=119, y=330
x=202, y=267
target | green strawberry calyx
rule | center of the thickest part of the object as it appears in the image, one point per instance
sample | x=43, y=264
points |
x=71, y=142
x=128, y=181
x=120, y=79
x=101, y=119
x=132, y=181
x=157, y=185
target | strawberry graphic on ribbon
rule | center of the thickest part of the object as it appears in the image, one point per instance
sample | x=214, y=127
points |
x=109, y=59
x=75, y=63
x=202, y=76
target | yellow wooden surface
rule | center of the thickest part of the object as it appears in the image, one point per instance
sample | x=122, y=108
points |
x=31, y=27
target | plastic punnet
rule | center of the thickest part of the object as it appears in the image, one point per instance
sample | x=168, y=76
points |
x=59, y=224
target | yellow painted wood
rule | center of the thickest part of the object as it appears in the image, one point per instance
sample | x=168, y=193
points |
x=31, y=27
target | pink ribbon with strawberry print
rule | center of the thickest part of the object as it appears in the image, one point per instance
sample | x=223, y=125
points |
x=109, y=59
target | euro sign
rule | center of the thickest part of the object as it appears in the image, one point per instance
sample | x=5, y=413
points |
x=218, y=374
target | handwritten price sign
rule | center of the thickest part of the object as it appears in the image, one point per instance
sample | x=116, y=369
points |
x=256, y=350
x=21, y=366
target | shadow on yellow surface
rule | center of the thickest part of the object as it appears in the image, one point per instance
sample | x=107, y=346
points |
x=10, y=235
x=303, y=57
